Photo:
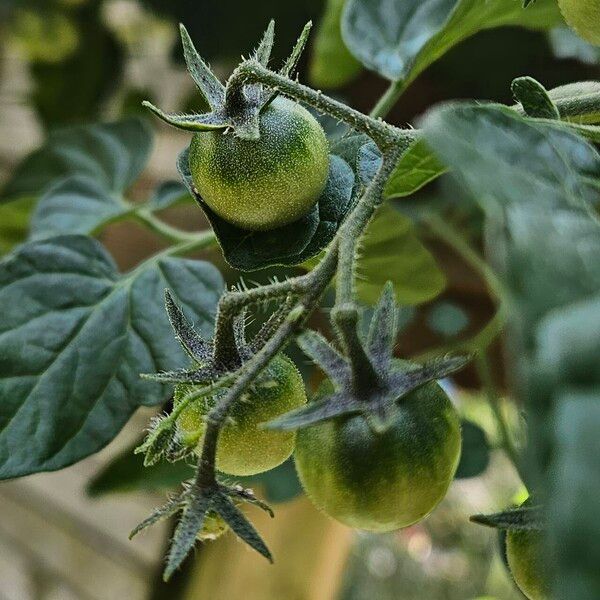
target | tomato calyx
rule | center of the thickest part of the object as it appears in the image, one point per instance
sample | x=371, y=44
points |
x=528, y=517
x=195, y=505
x=366, y=379
x=232, y=109
x=210, y=374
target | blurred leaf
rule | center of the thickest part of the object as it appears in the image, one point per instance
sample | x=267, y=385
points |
x=76, y=205
x=578, y=102
x=76, y=335
x=332, y=65
x=567, y=44
x=399, y=40
x=14, y=223
x=447, y=319
x=288, y=245
x=492, y=145
x=545, y=242
x=475, y=455
x=75, y=88
x=112, y=154
x=168, y=194
x=391, y=251
x=126, y=473
x=417, y=167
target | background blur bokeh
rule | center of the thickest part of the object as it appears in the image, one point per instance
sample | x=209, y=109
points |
x=79, y=61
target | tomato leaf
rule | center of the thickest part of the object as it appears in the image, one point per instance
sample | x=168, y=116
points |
x=534, y=98
x=288, y=245
x=391, y=250
x=112, y=154
x=74, y=337
x=399, y=40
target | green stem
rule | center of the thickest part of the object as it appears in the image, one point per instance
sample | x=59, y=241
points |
x=388, y=100
x=170, y=233
x=382, y=133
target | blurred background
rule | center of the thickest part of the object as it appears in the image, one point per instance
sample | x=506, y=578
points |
x=63, y=535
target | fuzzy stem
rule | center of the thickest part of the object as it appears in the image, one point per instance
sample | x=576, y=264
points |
x=317, y=282
x=251, y=71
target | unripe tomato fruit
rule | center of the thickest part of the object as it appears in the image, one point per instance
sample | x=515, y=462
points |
x=584, y=17
x=524, y=555
x=382, y=481
x=265, y=183
x=244, y=448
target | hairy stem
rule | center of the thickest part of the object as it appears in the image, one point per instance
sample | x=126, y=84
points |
x=250, y=71
x=319, y=280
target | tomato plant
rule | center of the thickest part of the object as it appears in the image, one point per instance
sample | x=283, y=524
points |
x=379, y=443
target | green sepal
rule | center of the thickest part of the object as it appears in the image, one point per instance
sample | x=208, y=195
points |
x=288, y=245
x=203, y=122
x=194, y=504
x=379, y=402
x=534, y=98
x=208, y=83
x=524, y=518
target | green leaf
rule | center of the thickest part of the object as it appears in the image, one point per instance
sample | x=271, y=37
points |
x=168, y=194
x=112, y=154
x=76, y=205
x=534, y=98
x=331, y=63
x=391, y=250
x=126, y=473
x=399, y=40
x=504, y=158
x=417, y=167
x=74, y=337
x=574, y=527
x=291, y=244
x=475, y=454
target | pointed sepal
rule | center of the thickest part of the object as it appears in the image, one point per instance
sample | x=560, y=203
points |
x=194, y=122
x=159, y=441
x=195, y=346
x=318, y=349
x=524, y=518
x=263, y=52
x=240, y=525
x=208, y=83
x=384, y=327
x=166, y=511
x=324, y=409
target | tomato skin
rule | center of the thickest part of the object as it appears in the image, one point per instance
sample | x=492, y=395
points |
x=524, y=554
x=382, y=482
x=214, y=527
x=266, y=183
x=584, y=17
x=244, y=447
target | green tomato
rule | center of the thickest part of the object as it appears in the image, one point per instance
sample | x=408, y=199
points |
x=524, y=555
x=244, y=447
x=265, y=183
x=382, y=481
x=584, y=17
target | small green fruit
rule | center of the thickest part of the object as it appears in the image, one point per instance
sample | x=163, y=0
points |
x=244, y=447
x=584, y=17
x=382, y=481
x=524, y=554
x=214, y=527
x=265, y=183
